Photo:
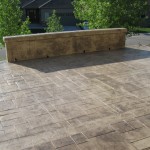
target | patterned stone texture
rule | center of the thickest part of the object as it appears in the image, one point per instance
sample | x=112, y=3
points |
x=93, y=101
x=56, y=44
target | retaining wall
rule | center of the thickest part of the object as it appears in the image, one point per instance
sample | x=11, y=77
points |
x=44, y=45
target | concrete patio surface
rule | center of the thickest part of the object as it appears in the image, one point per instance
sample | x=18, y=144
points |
x=95, y=101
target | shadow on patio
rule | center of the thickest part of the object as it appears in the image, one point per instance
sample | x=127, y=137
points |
x=84, y=60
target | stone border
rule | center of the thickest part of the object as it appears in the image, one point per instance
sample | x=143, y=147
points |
x=44, y=45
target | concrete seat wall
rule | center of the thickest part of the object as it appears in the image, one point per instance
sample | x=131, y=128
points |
x=45, y=45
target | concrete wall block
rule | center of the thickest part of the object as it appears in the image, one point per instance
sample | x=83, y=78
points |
x=45, y=45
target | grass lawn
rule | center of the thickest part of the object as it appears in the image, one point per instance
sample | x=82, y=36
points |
x=1, y=53
x=142, y=30
x=1, y=45
x=1, y=58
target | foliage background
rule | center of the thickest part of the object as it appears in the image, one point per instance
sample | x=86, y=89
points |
x=11, y=19
x=53, y=23
x=110, y=13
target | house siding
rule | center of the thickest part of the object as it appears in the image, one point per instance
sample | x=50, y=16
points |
x=64, y=9
x=146, y=23
x=67, y=17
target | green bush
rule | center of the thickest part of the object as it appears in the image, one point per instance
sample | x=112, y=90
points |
x=53, y=23
x=11, y=19
x=110, y=13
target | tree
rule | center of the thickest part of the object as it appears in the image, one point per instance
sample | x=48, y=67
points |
x=53, y=23
x=127, y=13
x=25, y=27
x=110, y=13
x=11, y=19
x=92, y=11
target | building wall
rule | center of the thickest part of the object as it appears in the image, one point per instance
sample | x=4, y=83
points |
x=147, y=22
x=67, y=16
x=24, y=14
x=149, y=9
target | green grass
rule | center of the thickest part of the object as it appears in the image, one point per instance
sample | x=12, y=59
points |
x=1, y=46
x=142, y=30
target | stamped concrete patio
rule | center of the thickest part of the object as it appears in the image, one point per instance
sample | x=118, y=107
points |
x=95, y=101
